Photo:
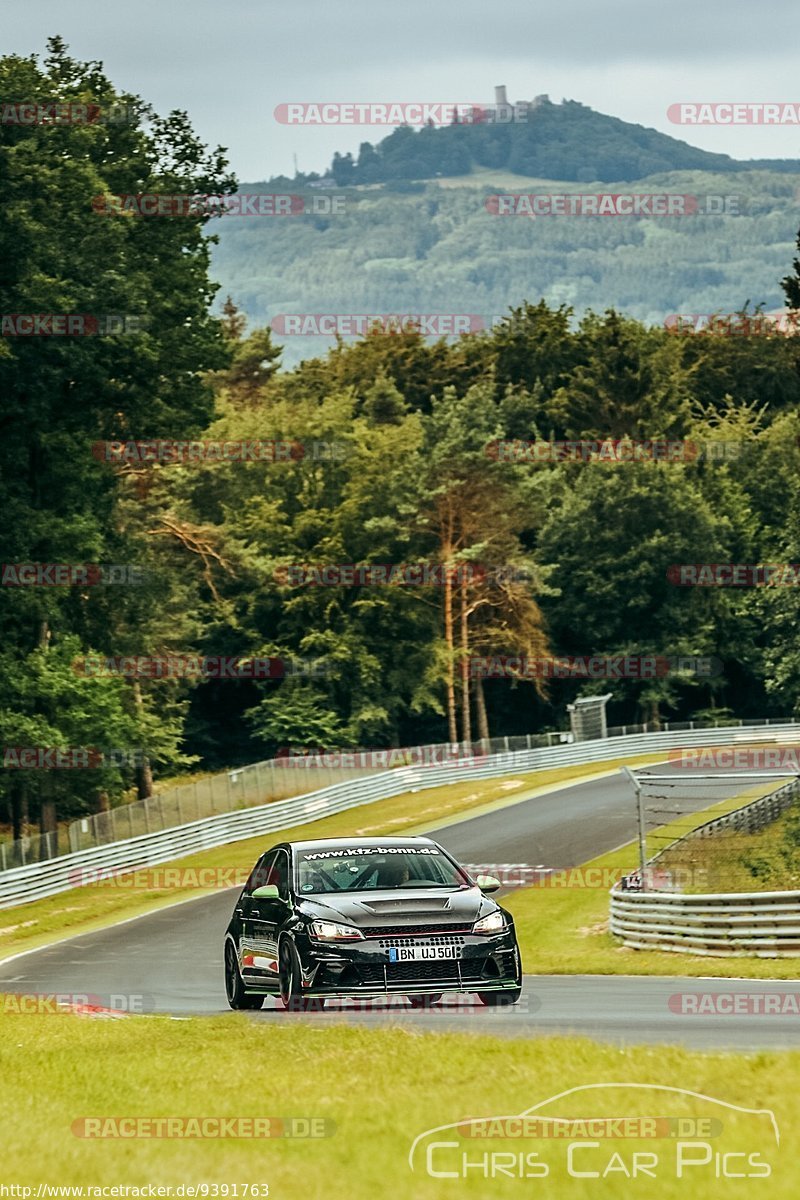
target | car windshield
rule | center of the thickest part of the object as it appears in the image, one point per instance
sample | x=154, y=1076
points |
x=361, y=869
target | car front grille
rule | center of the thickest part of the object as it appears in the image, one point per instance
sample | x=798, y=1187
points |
x=445, y=971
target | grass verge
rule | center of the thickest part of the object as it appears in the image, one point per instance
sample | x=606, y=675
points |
x=61, y=1070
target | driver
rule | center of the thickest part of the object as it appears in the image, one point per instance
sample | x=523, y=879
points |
x=394, y=873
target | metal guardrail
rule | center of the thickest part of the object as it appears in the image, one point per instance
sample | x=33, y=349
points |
x=278, y=779
x=721, y=924
x=243, y=787
x=60, y=874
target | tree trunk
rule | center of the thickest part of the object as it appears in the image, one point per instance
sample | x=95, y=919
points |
x=48, y=845
x=466, y=716
x=16, y=809
x=448, y=637
x=144, y=772
x=480, y=709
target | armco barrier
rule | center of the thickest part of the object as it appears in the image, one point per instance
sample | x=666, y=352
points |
x=723, y=924
x=60, y=874
x=759, y=924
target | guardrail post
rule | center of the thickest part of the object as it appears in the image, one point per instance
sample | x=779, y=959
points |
x=640, y=821
x=3, y=855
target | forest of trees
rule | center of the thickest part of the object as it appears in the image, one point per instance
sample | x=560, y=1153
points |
x=397, y=467
x=437, y=249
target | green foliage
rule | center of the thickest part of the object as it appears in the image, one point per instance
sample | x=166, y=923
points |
x=396, y=430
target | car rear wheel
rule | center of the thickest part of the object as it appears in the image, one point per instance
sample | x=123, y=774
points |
x=424, y=1001
x=290, y=978
x=234, y=988
x=500, y=999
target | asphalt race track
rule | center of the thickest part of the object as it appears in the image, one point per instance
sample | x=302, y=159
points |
x=171, y=961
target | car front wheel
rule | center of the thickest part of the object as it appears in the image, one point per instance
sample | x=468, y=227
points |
x=290, y=979
x=500, y=999
x=238, y=998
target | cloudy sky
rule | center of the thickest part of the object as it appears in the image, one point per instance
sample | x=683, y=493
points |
x=230, y=64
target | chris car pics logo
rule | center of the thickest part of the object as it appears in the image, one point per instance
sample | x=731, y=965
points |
x=613, y=1132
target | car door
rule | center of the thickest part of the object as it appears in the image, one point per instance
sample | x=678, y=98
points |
x=255, y=955
x=272, y=914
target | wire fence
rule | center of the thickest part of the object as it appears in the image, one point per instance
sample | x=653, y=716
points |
x=281, y=778
x=748, y=848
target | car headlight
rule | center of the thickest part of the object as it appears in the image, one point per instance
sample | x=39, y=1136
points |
x=491, y=924
x=331, y=931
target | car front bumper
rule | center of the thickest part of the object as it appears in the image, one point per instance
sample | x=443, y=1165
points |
x=365, y=968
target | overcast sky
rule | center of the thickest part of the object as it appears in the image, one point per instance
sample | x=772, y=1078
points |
x=230, y=63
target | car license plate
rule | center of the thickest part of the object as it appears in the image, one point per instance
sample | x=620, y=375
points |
x=421, y=953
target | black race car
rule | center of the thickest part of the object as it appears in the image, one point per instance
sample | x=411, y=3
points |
x=368, y=917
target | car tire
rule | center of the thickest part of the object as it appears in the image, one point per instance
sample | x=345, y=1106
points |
x=238, y=998
x=424, y=1001
x=290, y=979
x=500, y=999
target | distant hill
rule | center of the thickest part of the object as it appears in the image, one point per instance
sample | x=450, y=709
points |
x=567, y=141
x=423, y=247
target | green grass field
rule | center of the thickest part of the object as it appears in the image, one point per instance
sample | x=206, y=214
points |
x=381, y=1089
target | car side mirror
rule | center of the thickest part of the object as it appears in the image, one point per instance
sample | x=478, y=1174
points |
x=488, y=883
x=267, y=892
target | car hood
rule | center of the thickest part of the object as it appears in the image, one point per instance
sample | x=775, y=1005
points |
x=417, y=906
